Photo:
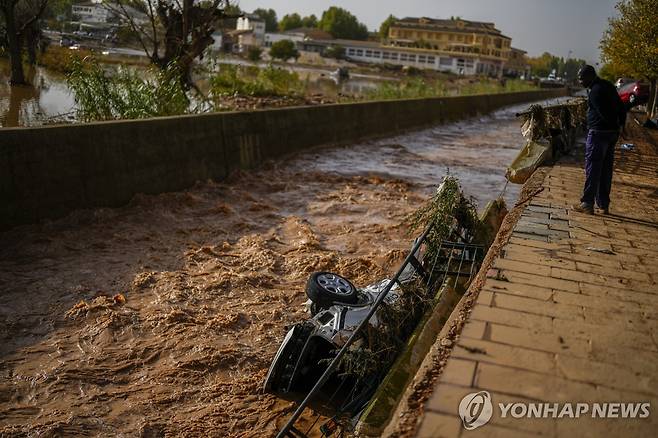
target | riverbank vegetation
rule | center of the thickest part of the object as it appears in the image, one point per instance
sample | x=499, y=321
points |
x=104, y=93
x=126, y=93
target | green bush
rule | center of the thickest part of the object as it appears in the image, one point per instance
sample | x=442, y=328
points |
x=284, y=50
x=421, y=88
x=253, y=53
x=250, y=81
x=125, y=94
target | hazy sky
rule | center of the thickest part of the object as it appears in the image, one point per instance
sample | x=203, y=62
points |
x=556, y=26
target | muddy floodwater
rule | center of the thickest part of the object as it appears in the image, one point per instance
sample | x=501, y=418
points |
x=162, y=317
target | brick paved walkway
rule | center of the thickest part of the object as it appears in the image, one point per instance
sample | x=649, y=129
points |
x=560, y=322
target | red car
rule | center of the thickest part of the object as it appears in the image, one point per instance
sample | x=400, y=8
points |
x=634, y=93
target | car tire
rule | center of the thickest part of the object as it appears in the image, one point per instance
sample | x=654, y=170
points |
x=325, y=288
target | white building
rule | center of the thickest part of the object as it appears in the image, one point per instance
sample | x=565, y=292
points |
x=296, y=35
x=91, y=12
x=255, y=24
x=375, y=53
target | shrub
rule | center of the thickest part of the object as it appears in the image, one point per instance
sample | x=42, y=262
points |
x=284, y=50
x=253, y=53
x=125, y=94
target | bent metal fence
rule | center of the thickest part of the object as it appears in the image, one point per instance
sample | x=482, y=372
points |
x=433, y=260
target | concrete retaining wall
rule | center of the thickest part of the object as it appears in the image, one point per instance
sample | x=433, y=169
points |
x=49, y=171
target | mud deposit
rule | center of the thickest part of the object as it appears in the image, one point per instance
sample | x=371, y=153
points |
x=162, y=317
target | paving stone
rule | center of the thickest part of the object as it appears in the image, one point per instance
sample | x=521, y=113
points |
x=512, y=318
x=536, y=340
x=459, y=372
x=586, y=370
x=542, y=281
x=436, y=425
x=521, y=290
x=537, y=307
x=528, y=267
x=502, y=354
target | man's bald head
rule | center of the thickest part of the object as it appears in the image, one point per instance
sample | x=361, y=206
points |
x=586, y=75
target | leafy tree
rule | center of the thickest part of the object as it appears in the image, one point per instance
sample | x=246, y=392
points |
x=310, y=21
x=342, y=24
x=58, y=8
x=611, y=73
x=631, y=43
x=284, y=50
x=174, y=32
x=543, y=65
x=253, y=53
x=20, y=20
x=269, y=15
x=337, y=52
x=386, y=25
x=290, y=21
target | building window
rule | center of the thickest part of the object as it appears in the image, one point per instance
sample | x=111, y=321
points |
x=445, y=61
x=412, y=58
x=377, y=54
x=394, y=56
x=422, y=58
x=386, y=55
x=403, y=56
x=369, y=53
x=431, y=60
x=359, y=52
x=350, y=51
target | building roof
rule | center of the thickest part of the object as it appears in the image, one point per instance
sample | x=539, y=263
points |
x=254, y=17
x=342, y=42
x=87, y=4
x=310, y=32
x=450, y=25
x=514, y=49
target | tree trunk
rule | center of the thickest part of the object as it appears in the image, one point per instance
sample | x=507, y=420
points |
x=32, y=39
x=652, y=105
x=14, y=44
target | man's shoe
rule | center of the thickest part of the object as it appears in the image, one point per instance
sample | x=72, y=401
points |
x=583, y=208
x=605, y=211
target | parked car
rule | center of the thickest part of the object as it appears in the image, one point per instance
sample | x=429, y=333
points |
x=623, y=81
x=635, y=93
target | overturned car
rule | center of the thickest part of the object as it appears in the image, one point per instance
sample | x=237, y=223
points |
x=370, y=325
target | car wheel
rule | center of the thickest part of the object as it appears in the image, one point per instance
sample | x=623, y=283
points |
x=325, y=288
x=632, y=99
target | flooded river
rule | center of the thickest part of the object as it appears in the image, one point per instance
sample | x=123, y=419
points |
x=162, y=317
x=47, y=98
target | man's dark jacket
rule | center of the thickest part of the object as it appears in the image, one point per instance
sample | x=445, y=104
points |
x=606, y=111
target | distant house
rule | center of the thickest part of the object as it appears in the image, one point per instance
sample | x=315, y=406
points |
x=517, y=64
x=91, y=12
x=255, y=24
x=296, y=35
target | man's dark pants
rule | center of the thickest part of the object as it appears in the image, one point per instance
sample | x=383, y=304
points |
x=599, y=161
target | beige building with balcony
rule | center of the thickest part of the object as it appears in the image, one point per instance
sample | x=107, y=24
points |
x=463, y=46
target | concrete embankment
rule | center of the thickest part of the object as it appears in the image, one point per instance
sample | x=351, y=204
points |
x=49, y=171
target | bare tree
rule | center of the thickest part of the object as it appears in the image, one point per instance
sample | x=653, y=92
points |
x=20, y=17
x=172, y=32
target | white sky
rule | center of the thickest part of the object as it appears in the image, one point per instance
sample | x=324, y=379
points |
x=556, y=26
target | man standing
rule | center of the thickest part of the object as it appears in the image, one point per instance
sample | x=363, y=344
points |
x=606, y=116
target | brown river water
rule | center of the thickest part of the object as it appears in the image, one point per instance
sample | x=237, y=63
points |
x=161, y=317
